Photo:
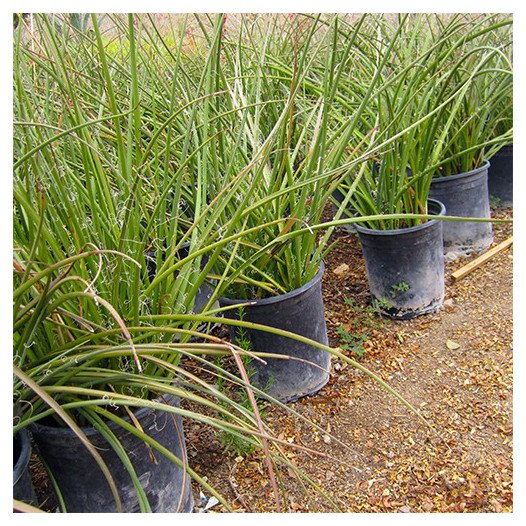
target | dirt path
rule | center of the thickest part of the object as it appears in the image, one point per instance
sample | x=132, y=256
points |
x=454, y=366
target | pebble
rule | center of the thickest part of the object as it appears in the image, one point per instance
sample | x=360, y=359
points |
x=449, y=305
x=341, y=269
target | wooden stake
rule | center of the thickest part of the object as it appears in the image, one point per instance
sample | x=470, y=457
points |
x=466, y=269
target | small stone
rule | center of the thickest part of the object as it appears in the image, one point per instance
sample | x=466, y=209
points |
x=452, y=346
x=341, y=269
x=404, y=509
x=427, y=506
x=327, y=439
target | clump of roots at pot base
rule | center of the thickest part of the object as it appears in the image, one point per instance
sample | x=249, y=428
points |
x=357, y=331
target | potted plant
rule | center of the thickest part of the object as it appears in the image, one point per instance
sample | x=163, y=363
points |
x=392, y=189
x=87, y=398
x=417, y=107
x=500, y=176
x=280, y=160
x=98, y=344
x=461, y=181
x=69, y=292
x=500, y=172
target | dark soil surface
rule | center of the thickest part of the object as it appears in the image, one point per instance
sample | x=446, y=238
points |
x=370, y=453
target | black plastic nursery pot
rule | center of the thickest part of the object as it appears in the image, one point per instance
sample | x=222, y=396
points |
x=500, y=176
x=82, y=483
x=301, y=312
x=465, y=195
x=405, y=267
x=23, y=489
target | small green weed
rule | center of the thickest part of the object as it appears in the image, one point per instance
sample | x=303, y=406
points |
x=495, y=202
x=380, y=304
x=398, y=287
x=351, y=342
x=363, y=316
x=238, y=444
x=356, y=332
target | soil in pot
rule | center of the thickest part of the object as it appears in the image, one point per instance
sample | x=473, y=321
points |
x=464, y=195
x=500, y=176
x=23, y=489
x=405, y=267
x=301, y=312
x=82, y=483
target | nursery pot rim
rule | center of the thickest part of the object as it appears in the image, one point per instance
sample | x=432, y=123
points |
x=460, y=175
x=280, y=297
x=89, y=430
x=398, y=231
